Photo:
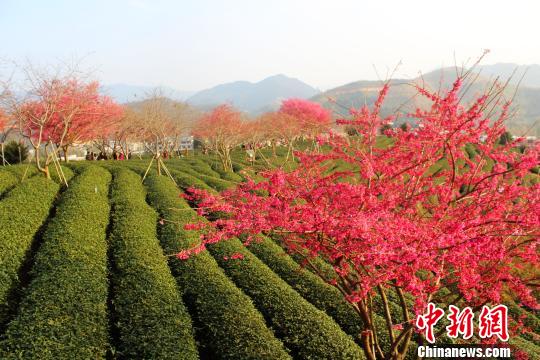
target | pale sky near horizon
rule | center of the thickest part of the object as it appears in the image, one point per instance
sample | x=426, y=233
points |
x=192, y=45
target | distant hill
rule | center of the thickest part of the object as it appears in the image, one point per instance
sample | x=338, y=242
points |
x=256, y=97
x=124, y=93
x=505, y=70
x=402, y=97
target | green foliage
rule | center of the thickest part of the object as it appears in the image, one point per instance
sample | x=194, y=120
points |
x=22, y=212
x=15, y=152
x=231, y=327
x=151, y=317
x=63, y=314
x=305, y=330
x=7, y=180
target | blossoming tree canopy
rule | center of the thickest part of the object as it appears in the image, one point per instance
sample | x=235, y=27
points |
x=3, y=120
x=220, y=130
x=419, y=218
x=82, y=115
x=312, y=118
x=62, y=111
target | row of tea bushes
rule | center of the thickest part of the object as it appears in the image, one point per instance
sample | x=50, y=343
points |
x=328, y=273
x=324, y=296
x=183, y=179
x=67, y=173
x=225, y=175
x=210, y=181
x=152, y=320
x=229, y=325
x=216, y=183
x=201, y=167
x=299, y=337
x=22, y=213
x=12, y=175
x=63, y=314
x=307, y=331
x=22, y=171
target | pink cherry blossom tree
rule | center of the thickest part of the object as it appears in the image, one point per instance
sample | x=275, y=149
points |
x=419, y=218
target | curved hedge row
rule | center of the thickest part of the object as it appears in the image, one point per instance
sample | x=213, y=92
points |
x=380, y=323
x=201, y=167
x=64, y=312
x=22, y=212
x=324, y=296
x=20, y=170
x=150, y=314
x=185, y=181
x=216, y=183
x=192, y=178
x=231, y=327
x=68, y=174
x=307, y=331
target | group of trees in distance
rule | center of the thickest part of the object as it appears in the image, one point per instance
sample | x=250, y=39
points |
x=63, y=108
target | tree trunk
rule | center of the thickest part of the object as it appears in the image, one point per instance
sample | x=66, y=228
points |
x=65, y=150
x=3, y=158
x=158, y=158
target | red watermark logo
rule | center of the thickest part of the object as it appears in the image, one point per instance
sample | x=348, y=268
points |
x=491, y=322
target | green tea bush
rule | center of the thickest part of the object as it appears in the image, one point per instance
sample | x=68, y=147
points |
x=7, y=181
x=151, y=317
x=63, y=314
x=22, y=213
x=230, y=326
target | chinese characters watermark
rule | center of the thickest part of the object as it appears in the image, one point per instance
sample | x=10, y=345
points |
x=491, y=322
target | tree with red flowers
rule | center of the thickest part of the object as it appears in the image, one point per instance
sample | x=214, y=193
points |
x=59, y=109
x=81, y=115
x=220, y=130
x=420, y=218
x=312, y=118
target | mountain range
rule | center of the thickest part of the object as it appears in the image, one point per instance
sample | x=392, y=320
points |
x=266, y=95
x=256, y=97
x=403, y=96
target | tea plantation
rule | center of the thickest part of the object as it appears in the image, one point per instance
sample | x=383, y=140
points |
x=87, y=272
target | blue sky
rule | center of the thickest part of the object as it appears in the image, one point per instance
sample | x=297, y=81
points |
x=191, y=45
